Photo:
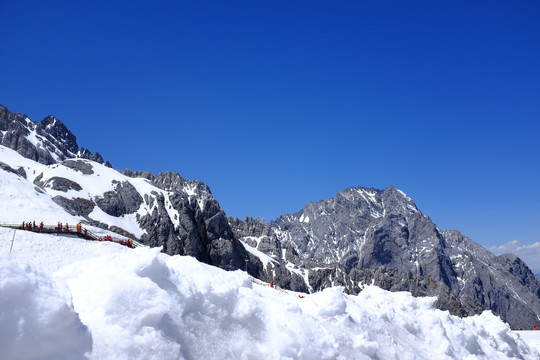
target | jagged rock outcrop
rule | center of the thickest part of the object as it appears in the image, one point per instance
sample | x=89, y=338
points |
x=189, y=221
x=8, y=168
x=79, y=206
x=79, y=165
x=61, y=184
x=282, y=269
x=124, y=199
x=47, y=142
x=258, y=234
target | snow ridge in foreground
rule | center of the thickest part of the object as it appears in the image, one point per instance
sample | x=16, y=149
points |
x=37, y=321
x=141, y=304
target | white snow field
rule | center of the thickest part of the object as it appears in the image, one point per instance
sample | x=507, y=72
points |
x=532, y=338
x=67, y=298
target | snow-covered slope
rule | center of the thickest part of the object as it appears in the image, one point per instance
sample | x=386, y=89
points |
x=66, y=297
x=22, y=200
x=162, y=209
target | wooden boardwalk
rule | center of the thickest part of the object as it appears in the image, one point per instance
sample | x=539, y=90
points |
x=66, y=229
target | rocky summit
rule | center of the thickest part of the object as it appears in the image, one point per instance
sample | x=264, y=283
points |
x=47, y=142
x=361, y=236
x=364, y=236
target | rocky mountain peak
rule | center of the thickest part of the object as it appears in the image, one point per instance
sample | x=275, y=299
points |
x=47, y=142
x=58, y=134
x=395, y=199
x=381, y=237
x=87, y=154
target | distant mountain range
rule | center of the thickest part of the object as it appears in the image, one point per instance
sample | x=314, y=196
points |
x=361, y=236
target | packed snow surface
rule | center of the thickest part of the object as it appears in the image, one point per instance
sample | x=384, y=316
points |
x=67, y=298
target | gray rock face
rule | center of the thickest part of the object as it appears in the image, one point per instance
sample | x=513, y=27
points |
x=8, y=168
x=58, y=184
x=250, y=229
x=77, y=206
x=283, y=270
x=79, y=165
x=123, y=200
x=381, y=237
x=58, y=136
x=189, y=221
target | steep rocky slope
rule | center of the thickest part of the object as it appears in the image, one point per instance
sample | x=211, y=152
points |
x=368, y=235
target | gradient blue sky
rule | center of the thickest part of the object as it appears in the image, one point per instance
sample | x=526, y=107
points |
x=277, y=103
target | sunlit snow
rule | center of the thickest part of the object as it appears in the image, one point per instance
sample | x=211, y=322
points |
x=265, y=259
x=142, y=304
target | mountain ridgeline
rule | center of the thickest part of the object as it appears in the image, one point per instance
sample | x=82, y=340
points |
x=379, y=236
x=359, y=237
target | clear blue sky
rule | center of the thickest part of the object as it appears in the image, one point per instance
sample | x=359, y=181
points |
x=277, y=103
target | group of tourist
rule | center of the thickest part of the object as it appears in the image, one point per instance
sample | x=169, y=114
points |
x=31, y=226
x=61, y=228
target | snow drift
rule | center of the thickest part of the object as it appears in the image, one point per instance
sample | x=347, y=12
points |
x=36, y=320
x=142, y=304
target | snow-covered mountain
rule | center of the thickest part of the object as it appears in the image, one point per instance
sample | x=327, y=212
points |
x=43, y=161
x=365, y=236
x=362, y=236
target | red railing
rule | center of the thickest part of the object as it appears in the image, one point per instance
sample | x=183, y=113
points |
x=66, y=229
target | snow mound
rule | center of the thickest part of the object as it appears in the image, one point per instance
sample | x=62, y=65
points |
x=36, y=320
x=142, y=304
